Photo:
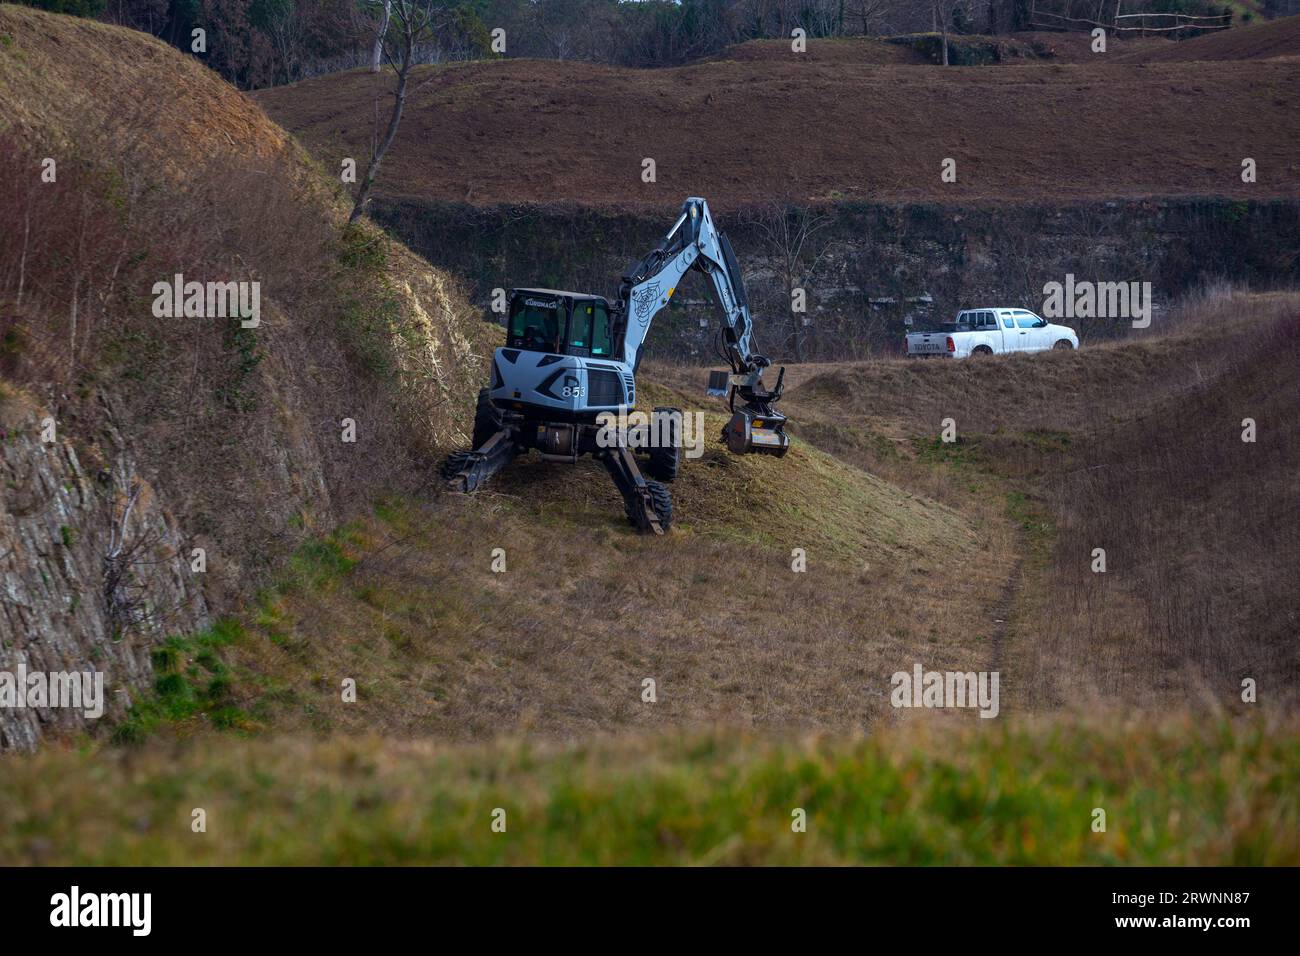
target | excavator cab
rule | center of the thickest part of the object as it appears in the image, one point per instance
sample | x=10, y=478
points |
x=560, y=323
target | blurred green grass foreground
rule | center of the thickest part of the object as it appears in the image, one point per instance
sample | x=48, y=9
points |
x=1182, y=791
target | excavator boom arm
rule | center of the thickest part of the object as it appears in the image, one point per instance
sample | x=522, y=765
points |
x=693, y=242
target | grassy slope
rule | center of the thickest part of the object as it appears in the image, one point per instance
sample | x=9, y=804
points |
x=1134, y=446
x=1131, y=446
x=185, y=111
x=238, y=431
x=1180, y=791
x=406, y=602
x=1121, y=131
x=420, y=603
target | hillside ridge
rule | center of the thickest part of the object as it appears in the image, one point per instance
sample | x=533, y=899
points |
x=745, y=133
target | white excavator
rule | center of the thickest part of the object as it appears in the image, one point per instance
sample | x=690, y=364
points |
x=570, y=358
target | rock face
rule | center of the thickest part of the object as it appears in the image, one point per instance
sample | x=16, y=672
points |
x=866, y=269
x=93, y=571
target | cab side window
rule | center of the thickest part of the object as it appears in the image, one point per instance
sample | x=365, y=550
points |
x=1025, y=321
x=1008, y=322
x=600, y=331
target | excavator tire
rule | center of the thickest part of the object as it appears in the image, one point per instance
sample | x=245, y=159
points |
x=487, y=422
x=455, y=464
x=663, y=505
x=665, y=462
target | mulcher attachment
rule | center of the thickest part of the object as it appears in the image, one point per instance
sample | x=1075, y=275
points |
x=467, y=470
x=756, y=429
x=755, y=426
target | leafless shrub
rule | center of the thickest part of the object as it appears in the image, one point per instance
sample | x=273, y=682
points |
x=129, y=548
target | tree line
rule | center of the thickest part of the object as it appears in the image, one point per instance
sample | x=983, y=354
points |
x=259, y=43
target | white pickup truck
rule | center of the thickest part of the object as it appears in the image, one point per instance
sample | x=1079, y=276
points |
x=990, y=331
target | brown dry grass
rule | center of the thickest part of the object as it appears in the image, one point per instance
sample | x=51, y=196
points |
x=1201, y=531
x=1134, y=446
x=560, y=642
x=61, y=74
x=859, y=50
x=520, y=131
x=959, y=558
x=439, y=643
x=1258, y=41
x=1015, y=48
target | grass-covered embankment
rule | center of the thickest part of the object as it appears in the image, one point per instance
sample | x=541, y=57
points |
x=1186, y=791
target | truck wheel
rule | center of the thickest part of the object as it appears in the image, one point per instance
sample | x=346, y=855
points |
x=1063, y=344
x=487, y=421
x=981, y=350
x=665, y=462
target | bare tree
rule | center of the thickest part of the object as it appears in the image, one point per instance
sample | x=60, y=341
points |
x=942, y=15
x=377, y=54
x=786, y=231
x=285, y=29
x=412, y=22
x=872, y=14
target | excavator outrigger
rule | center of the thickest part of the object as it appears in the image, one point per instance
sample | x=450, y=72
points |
x=571, y=357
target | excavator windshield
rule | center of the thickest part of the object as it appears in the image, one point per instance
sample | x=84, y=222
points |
x=536, y=324
x=541, y=324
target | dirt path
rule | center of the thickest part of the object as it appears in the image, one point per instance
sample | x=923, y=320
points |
x=1003, y=612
